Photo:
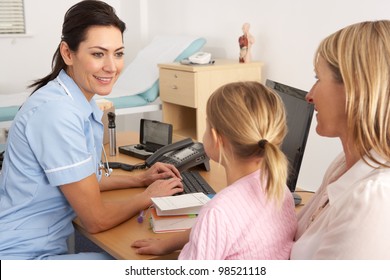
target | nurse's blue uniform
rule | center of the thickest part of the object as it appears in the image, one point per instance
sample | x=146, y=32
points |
x=55, y=139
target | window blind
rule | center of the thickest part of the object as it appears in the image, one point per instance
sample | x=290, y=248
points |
x=12, y=17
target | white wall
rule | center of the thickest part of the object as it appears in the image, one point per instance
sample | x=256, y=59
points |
x=286, y=32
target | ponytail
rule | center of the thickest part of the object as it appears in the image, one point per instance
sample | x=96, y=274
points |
x=274, y=171
x=58, y=64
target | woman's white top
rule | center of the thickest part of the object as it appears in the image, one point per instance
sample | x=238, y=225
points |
x=355, y=222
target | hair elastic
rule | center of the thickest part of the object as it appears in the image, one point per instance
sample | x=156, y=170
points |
x=262, y=143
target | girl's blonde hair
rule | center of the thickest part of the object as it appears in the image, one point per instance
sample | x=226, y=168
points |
x=359, y=56
x=252, y=118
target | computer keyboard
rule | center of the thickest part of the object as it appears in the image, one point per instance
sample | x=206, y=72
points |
x=194, y=182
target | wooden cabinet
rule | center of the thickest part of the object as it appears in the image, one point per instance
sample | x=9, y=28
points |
x=185, y=89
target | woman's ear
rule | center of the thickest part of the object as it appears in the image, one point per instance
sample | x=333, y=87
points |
x=66, y=53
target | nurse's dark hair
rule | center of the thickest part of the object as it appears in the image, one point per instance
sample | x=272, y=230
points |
x=77, y=20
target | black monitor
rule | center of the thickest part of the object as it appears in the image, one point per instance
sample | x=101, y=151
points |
x=299, y=116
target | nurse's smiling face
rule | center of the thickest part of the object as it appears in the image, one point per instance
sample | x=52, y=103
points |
x=97, y=63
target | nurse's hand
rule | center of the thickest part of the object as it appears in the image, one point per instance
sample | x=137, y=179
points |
x=158, y=171
x=164, y=187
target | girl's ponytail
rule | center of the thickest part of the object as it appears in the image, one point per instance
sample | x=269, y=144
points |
x=274, y=170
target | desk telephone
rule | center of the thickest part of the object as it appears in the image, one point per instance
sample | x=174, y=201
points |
x=183, y=155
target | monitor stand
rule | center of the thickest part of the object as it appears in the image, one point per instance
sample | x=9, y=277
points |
x=297, y=198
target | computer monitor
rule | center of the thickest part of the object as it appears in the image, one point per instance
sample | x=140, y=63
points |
x=299, y=116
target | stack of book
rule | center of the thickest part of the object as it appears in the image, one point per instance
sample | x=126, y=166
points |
x=176, y=213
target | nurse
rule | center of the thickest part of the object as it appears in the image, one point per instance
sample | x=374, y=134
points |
x=51, y=167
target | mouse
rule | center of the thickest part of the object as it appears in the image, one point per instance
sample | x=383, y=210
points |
x=139, y=147
x=297, y=199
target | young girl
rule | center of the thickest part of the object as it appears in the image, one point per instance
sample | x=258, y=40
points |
x=254, y=217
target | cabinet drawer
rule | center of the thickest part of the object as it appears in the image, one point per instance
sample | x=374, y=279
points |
x=178, y=87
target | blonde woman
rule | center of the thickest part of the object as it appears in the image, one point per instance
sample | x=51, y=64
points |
x=349, y=217
x=254, y=217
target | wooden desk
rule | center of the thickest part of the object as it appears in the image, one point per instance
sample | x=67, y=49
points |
x=117, y=240
x=305, y=195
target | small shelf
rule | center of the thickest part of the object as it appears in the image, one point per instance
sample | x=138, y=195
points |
x=183, y=119
x=185, y=132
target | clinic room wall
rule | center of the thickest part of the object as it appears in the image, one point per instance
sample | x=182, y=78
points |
x=286, y=32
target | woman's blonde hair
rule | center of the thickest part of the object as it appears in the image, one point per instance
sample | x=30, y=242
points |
x=359, y=56
x=252, y=118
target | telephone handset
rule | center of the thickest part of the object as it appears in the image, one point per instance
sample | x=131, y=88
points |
x=183, y=155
